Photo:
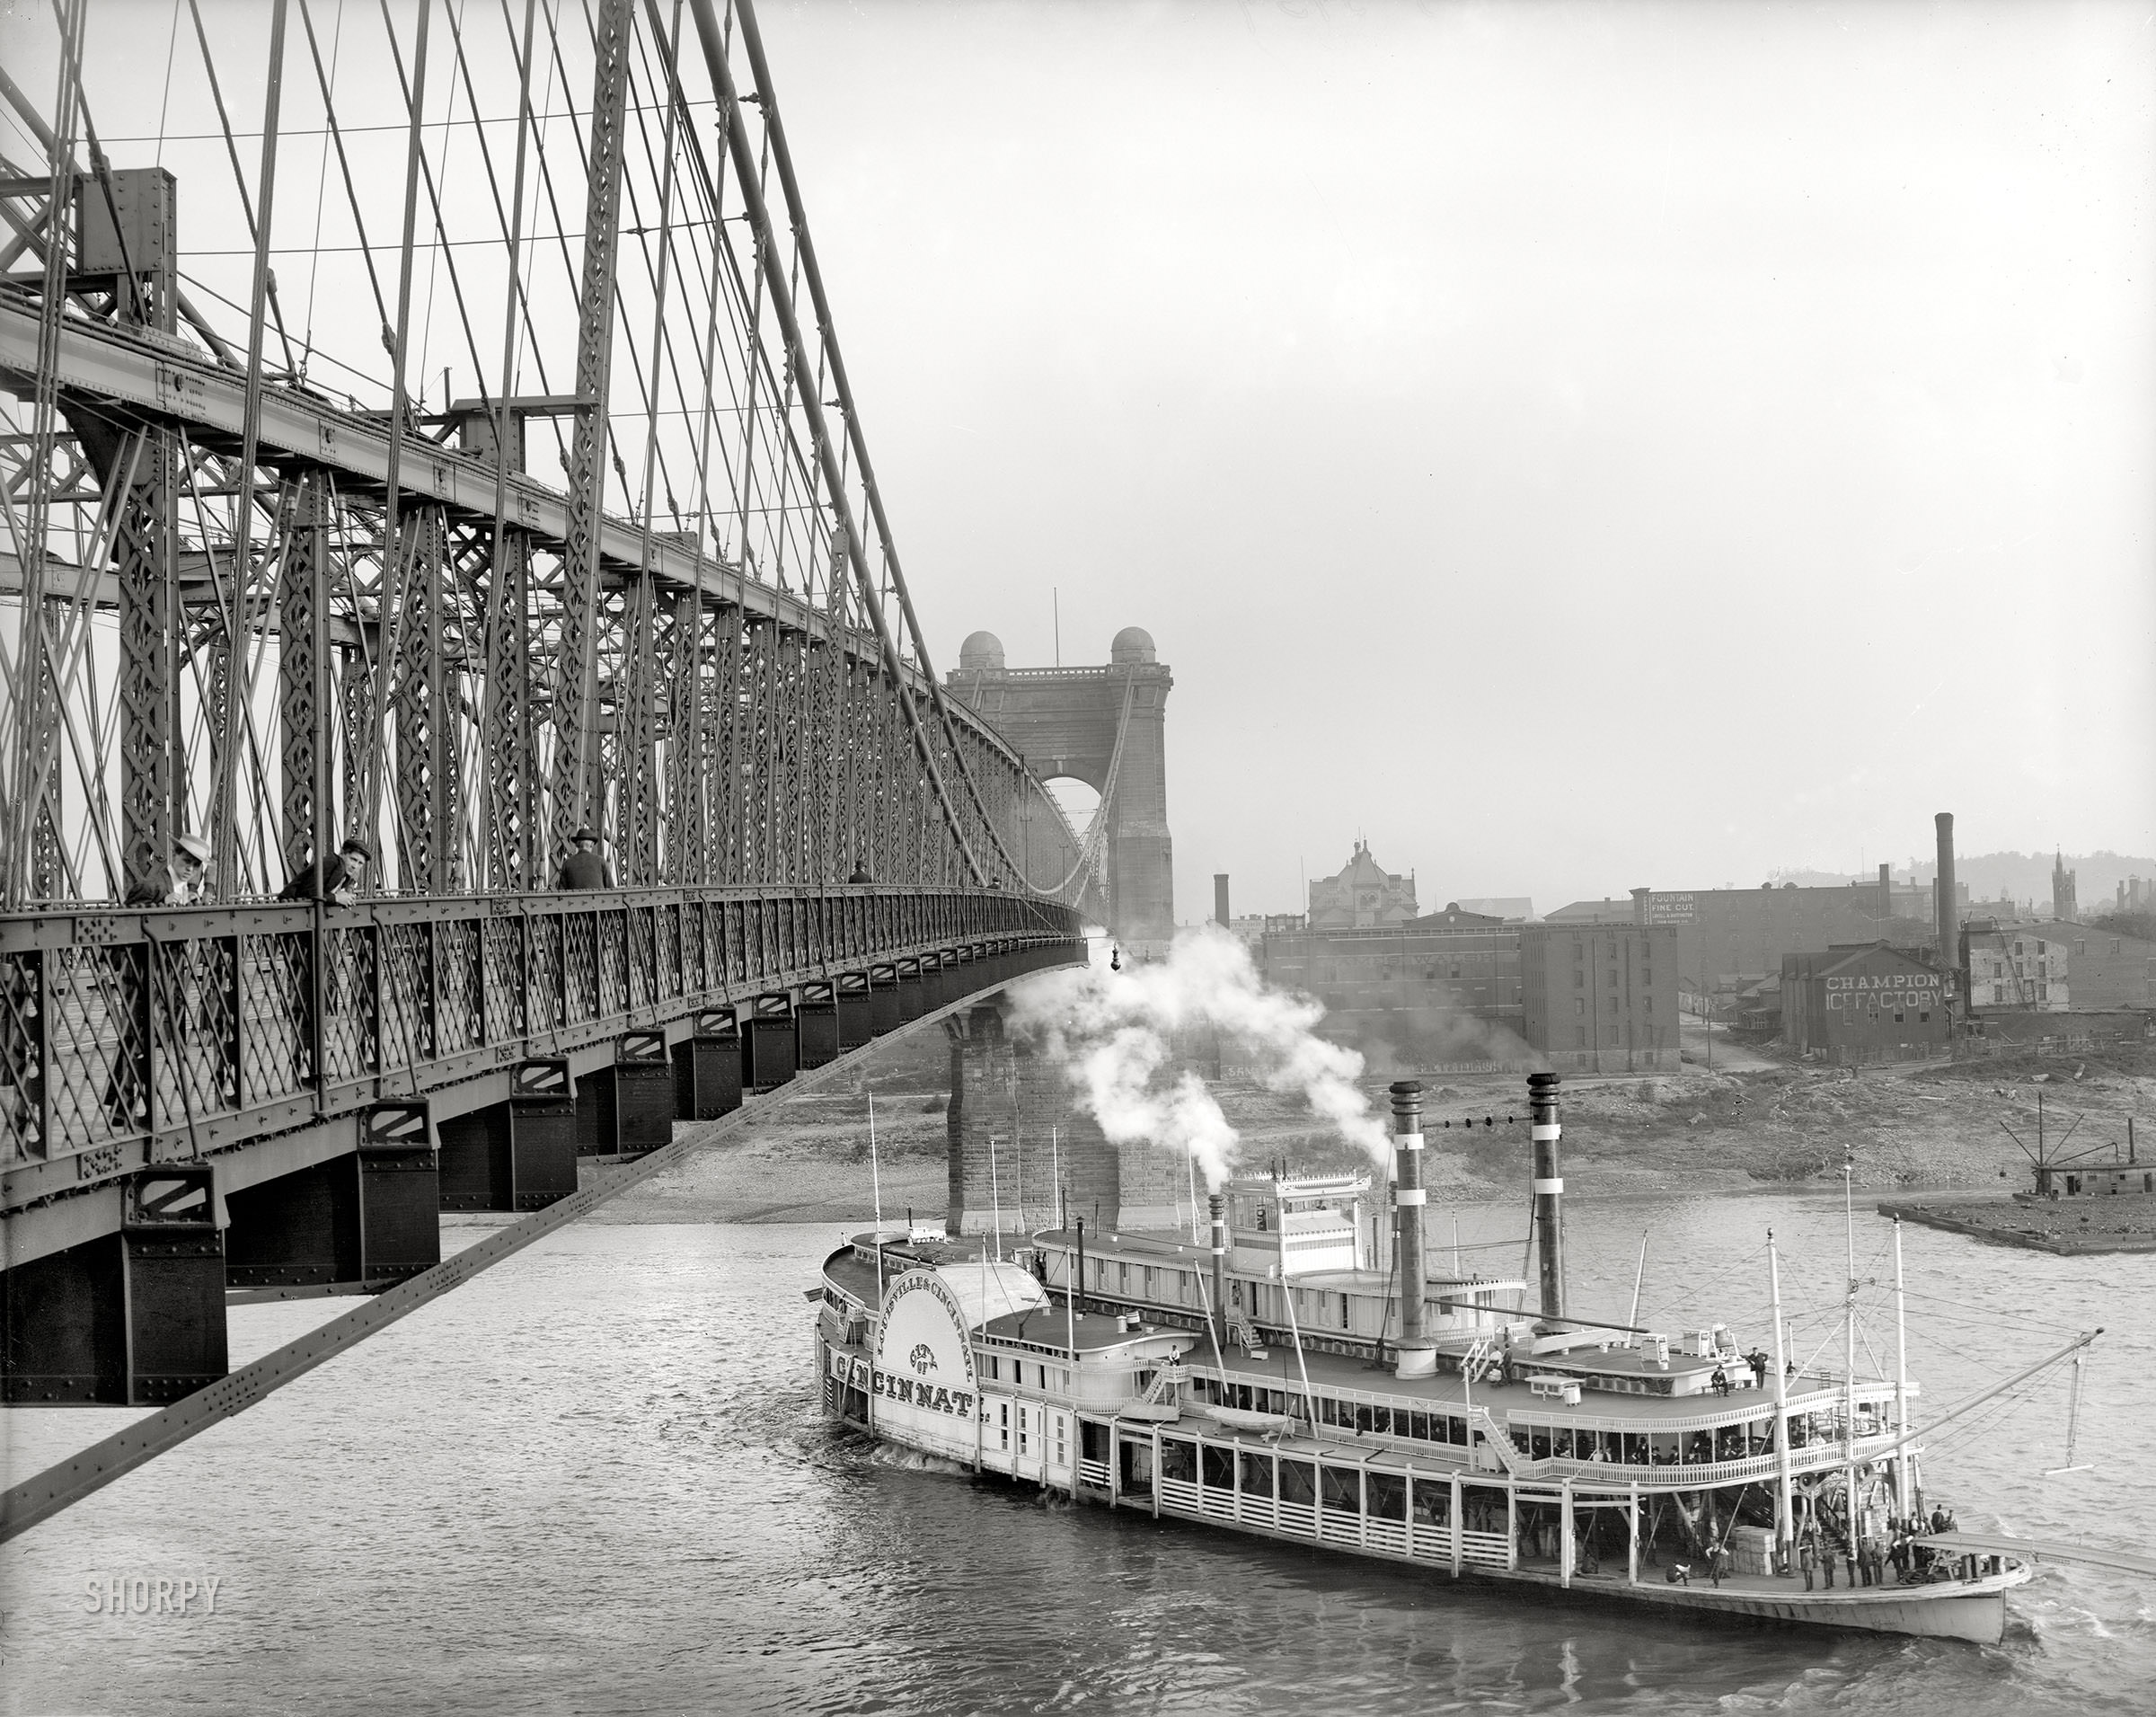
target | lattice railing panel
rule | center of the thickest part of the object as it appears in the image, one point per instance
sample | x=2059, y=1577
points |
x=277, y=1005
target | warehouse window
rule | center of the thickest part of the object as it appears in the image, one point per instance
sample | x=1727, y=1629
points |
x=1612, y=976
x=1613, y=1004
x=1579, y=1005
x=1583, y=1037
x=1924, y=1018
x=1897, y=1018
x=1650, y=1004
x=1579, y=978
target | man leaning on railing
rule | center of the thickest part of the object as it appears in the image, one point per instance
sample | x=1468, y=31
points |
x=341, y=882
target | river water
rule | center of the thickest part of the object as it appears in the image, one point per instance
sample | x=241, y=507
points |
x=592, y=1480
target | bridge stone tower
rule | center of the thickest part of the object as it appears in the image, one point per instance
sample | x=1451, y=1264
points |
x=1064, y=721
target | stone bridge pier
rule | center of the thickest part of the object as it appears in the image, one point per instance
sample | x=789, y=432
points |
x=1021, y=1147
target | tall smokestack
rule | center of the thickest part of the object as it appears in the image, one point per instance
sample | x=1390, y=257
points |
x=1220, y=899
x=1945, y=898
x=1218, y=1204
x=1885, y=891
x=1418, y=1355
x=1549, y=1190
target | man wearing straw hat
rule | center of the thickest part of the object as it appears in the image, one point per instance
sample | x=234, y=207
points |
x=178, y=882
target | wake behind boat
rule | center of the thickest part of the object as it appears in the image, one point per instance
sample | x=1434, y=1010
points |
x=1277, y=1382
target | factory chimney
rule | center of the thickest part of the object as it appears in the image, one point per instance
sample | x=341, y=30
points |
x=1946, y=902
x=1220, y=899
x=1417, y=1356
x=1549, y=1190
x=1885, y=891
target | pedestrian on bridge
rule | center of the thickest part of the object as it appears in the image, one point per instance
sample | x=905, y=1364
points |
x=341, y=882
x=586, y=867
x=174, y=884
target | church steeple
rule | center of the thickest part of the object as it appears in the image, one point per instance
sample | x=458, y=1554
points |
x=2063, y=906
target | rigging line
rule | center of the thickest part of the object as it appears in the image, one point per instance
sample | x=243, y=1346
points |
x=162, y=136
x=520, y=301
x=224, y=120
x=227, y=798
x=329, y=358
x=500, y=851
x=393, y=555
x=671, y=246
x=649, y=392
x=165, y=102
x=322, y=184
x=344, y=168
x=537, y=136
x=755, y=351
x=774, y=131
x=617, y=309
x=435, y=252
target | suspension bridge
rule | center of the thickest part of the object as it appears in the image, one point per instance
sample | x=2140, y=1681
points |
x=312, y=679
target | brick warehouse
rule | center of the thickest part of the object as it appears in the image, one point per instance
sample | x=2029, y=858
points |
x=1601, y=997
x=1863, y=1002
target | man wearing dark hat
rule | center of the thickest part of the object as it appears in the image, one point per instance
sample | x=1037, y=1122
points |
x=586, y=867
x=346, y=875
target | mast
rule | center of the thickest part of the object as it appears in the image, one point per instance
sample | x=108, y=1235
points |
x=876, y=1180
x=1785, y=1524
x=1901, y=1381
x=1848, y=1349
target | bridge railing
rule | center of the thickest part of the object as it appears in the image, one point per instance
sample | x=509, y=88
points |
x=187, y=1028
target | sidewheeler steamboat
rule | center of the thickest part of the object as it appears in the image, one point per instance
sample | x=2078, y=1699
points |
x=1275, y=1381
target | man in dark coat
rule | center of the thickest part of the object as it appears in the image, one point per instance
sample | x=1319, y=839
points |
x=171, y=884
x=586, y=867
x=342, y=882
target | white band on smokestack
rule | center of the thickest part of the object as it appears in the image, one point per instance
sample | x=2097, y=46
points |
x=1546, y=1132
x=1412, y=1195
x=1550, y=1186
x=1408, y=1141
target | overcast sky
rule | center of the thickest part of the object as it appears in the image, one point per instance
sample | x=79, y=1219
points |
x=1573, y=447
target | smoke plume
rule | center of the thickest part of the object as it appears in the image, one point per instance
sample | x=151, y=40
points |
x=1109, y=1032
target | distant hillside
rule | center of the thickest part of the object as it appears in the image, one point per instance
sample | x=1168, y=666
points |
x=2018, y=876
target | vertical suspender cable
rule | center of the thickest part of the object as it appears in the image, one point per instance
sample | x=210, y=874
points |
x=502, y=867
x=242, y=525
x=812, y=405
x=391, y=531
x=752, y=42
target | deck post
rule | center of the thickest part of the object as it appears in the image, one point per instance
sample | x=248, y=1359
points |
x=1455, y=1526
x=1632, y=1555
x=1156, y=1472
x=1564, y=1552
x=1512, y=1529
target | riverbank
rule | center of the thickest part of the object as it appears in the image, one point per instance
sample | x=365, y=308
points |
x=1934, y=1127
